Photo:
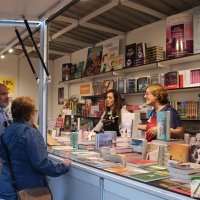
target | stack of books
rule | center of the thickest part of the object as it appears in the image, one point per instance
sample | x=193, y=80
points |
x=76, y=155
x=123, y=141
x=183, y=171
x=154, y=54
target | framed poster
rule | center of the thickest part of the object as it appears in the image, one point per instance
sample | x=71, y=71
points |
x=61, y=96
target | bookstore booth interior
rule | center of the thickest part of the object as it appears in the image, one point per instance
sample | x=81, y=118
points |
x=66, y=53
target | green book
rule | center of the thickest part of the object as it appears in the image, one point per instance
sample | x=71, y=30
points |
x=151, y=176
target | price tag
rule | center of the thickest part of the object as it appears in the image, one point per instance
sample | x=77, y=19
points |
x=9, y=82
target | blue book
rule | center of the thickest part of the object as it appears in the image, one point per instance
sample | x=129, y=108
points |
x=75, y=139
x=103, y=140
x=163, y=125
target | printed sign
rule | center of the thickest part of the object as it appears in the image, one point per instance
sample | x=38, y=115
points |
x=9, y=82
x=85, y=89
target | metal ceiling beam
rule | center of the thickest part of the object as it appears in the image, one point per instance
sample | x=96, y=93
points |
x=144, y=9
x=90, y=25
x=74, y=42
x=15, y=23
x=50, y=51
x=86, y=18
x=103, y=28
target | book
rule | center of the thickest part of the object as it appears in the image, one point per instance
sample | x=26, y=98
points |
x=75, y=139
x=172, y=80
x=178, y=152
x=179, y=35
x=77, y=155
x=139, y=146
x=107, y=85
x=72, y=72
x=65, y=71
x=67, y=123
x=86, y=146
x=142, y=83
x=131, y=85
x=110, y=49
x=115, y=63
x=153, y=151
x=184, y=189
x=103, y=140
x=131, y=53
x=154, y=78
x=79, y=70
x=184, y=168
x=140, y=53
x=163, y=125
x=151, y=176
x=177, y=175
x=139, y=163
x=126, y=124
x=102, y=104
x=155, y=168
x=121, y=83
x=96, y=88
x=59, y=122
x=196, y=30
x=93, y=64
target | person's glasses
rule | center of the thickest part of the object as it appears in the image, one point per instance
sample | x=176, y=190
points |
x=5, y=123
x=147, y=93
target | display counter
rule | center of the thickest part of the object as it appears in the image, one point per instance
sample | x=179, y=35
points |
x=83, y=182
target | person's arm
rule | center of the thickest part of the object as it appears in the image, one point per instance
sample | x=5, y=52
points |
x=38, y=156
x=177, y=132
x=142, y=127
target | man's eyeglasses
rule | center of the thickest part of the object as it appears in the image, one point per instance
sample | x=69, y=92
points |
x=5, y=123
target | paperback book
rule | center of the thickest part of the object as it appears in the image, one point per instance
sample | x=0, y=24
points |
x=79, y=70
x=130, y=55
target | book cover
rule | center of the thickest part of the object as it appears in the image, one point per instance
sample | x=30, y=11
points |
x=59, y=122
x=172, y=80
x=155, y=168
x=179, y=35
x=131, y=53
x=151, y=176
x=65, y=71
x=121, y=82
x=152, y=152
x=107, y=85
x=178, y=152
x=131, y=85
x=142, y=83
x=93, y=64
x=75, y=139
x=184, y=189
x=126, y=124
x=75, y=124
x=163, y=125
x=79, y=70
x=137, y=145
x=61, y=96
x=115, y=63
x=103, y=140
x=141, y=53
x=102, y=104
x=72, y=72
x=139, y=163
x=154, y=78
x=96, y=88
x=110, y=49
x=67, y=123
x=196, y=29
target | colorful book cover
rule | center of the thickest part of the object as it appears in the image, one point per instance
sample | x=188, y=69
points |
x=103, y=140
x=72, y=72
x=126, y=124
x=154, y=78
x=141, y=54
x=131, y=54
x=142, y=83
x=179, y=35
x=163, y=125
x=115, y=63
x=155, y=168
x=178, y=152
x=67, y=123
x=151, y=176
x=172, y=80
x=79, y=70
x=93, y=64
x=96, y=88
x=74, y=139
x=110, y=49
x=131, y=85
x=137, y=145
x=65, y=71
x=59, y=122
x=183, y=189
x=152, y=151
x=107, y=85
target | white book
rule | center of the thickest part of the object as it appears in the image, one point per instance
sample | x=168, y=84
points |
x=196, y=30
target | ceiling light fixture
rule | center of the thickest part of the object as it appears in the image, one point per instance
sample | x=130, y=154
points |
x=10, y=50
x=2, y=56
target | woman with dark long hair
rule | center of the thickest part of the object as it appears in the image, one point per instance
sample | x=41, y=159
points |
x=111, y=118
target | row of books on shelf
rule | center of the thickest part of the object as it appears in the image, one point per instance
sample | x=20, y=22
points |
x=106, y=58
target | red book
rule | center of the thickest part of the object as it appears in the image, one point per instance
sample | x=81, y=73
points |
x=59, y=122
x=101, y=103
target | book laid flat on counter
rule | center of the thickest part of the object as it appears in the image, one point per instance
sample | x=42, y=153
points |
x=151, y=176
x=139, y=163
x=155, y=168
x=75, y=155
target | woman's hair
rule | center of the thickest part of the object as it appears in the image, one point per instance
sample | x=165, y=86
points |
x=159, y=91
x=117, y=105
x=22, y=107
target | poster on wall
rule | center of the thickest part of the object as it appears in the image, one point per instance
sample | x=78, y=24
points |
x=10, y=83
x=85, y=89
x=61, y=96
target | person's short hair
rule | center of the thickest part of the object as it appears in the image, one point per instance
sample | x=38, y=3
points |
x=22, y=108
x=159, y=91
